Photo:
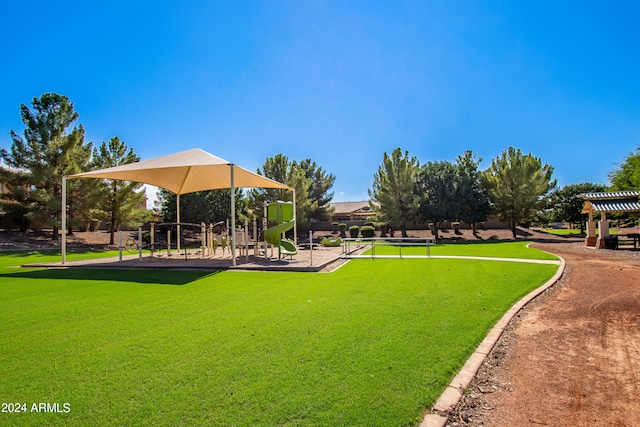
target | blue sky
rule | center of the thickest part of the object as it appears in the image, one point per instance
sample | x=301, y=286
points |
x=340, y=82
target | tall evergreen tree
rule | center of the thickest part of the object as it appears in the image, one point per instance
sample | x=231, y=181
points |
x=319, y=185
x=472, y=200
x=392, y=193
x=280, y=169
x=518, y=186
x=14, y=200
x=48, y=150
x=437, y=191
x=120, y=201
x=202, y=206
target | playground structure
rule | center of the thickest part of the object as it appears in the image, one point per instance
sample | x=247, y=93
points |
x=181, y=173
x=284, y=217
x=215, y=239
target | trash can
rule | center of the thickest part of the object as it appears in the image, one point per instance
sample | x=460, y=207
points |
x=611, y=242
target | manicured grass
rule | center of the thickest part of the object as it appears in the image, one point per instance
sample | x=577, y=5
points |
x=373, y=343
x=17, y=258
x=517, y=249
x=571, y=232
x=562, y=231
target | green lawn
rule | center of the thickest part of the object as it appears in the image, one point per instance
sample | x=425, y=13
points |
x=563, y=231
x=373, y=343
x=571, y=232
x=517, y=249
x=17, y=258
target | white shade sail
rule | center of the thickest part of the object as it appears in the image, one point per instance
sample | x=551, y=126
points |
x=185, y=172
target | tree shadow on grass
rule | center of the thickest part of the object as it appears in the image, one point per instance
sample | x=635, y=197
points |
x=155, y=277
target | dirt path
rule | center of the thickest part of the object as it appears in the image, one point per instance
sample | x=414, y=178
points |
x=572, y=357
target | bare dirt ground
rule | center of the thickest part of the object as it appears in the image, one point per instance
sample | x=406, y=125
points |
x=98, y=240
x=572, y=356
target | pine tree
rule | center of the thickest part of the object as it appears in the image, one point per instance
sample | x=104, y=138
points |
x=280, y=169
x=437, y=191
x=48, y=150
x=319, y=185
x=518, y=186
x=472, y=200
x=203, y=206
x=120, y=200
x=392, y=193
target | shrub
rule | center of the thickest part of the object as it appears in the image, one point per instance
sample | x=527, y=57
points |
x=18, y=214
x=368, y=231
x=354, y=230
x=329, y=242
x=343, y=228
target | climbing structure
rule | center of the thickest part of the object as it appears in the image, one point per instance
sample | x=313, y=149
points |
x=281, y=214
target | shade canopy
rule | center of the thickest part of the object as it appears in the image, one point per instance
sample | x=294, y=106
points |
x=185, y=172
x=181, y=173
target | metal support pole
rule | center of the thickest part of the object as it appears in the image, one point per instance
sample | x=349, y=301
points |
x=295, y=219
x=203, y=238
x=120, y=245
x=310, y=248
x=210, y=238
x=264, y=231
x=139, y=244
x=233, y=216
x=63, y=247
x=246, y=239
x=178, y=221
x=255, y=236
x=152, y=237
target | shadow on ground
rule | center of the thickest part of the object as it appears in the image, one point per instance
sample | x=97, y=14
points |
x=156, y=277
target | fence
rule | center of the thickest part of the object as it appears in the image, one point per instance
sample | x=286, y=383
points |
x=362, y=244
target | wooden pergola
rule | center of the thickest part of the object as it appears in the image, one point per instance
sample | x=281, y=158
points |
x=604, y=203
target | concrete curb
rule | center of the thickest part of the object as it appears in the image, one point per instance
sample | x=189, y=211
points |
x=452, y=394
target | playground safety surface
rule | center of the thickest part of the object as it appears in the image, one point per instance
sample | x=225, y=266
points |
x=320, y=259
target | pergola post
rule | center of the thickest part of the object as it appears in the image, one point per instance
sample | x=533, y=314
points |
x=591, y=238
x=603, y=228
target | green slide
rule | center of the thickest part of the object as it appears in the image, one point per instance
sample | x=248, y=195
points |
x=282, y=213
